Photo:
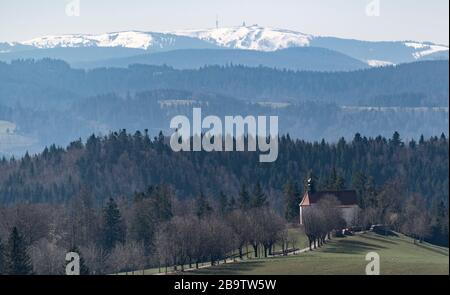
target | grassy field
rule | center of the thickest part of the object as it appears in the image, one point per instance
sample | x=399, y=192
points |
x=7, y=127
x=12, y=143
x=398, y=256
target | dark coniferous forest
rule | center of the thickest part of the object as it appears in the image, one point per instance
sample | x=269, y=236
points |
x=120, y=164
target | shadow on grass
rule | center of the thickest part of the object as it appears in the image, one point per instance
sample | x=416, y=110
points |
x=350, y=247
x=227, y=269
x=433, y=249
x=385, y=233
x=381, y=239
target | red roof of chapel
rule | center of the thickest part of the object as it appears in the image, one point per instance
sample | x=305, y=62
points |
x=346, y=198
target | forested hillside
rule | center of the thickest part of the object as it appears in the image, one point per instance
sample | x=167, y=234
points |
x=120, y=164
x=51, y=103
x=306, y=59
x=46, y=83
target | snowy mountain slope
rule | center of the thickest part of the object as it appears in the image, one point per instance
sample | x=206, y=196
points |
x=250, y=37
x=271, y=39
x=426, y=49
x=86, y=48
x=253, y=37
x=127, y=39
x=394, y=52
x=131, y=39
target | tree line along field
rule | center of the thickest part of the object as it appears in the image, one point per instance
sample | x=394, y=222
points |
x=297, y=241
x=340, y=256
x=346, y=256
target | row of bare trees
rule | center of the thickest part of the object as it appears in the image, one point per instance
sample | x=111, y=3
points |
x=157, y=229
x=121, y=236
x=190, y=240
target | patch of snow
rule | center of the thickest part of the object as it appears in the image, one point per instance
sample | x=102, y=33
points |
x=168, y=103
x=131, y=39
x=136, y=40
x=379, y=63
x=424, y=49
x=250, y=37
x=415, y=45
x=394, y=109
x=274, y=105
x=7, y=127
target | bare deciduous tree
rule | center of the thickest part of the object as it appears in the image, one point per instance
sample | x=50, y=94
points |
x=313, y=225
x=95, y=258
x=126, y=257
x=332, y=215
x=219, y=239
x=48, y=257
x=416, y=220
x=239, y=222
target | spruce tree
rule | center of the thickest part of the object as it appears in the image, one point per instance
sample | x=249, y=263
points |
x=244, y=198
x=331, y=181
x=335, y=181
x=232, y=204
x=18, y=261
x=291, y=201
x=339, y=185
x=370, y=195
x=258, y=198
x=160, y=197
x=395, y=141
x=223, y=204
x=112, y=229
x=359, y=184
x=203, y=207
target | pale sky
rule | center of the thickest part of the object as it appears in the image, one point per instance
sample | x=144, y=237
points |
x=419, y=20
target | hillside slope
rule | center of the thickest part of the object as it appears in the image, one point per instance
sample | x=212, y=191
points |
x=306, y=59
x=346, y=256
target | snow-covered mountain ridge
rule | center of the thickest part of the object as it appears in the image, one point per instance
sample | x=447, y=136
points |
x=253, y=37
x=250, y=37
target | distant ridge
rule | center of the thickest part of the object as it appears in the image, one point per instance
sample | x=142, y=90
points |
x=304, y=59
x=89, y=47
